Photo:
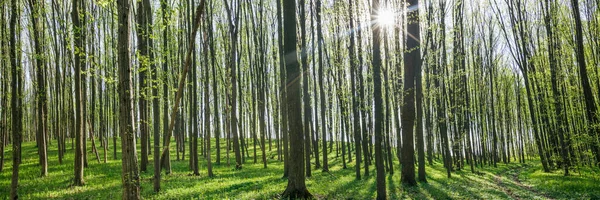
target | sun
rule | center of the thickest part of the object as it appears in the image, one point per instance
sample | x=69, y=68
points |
x=386, y=17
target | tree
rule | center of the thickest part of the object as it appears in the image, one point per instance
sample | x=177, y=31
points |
x=79, y=127
x=555, y=73
x=591, y=111
x=440, y=85
x=206, y=93
x=143, y=37
x=412, y=66
x=130, y=172
x=41, y=99
x=376, y=64
x=283, y=91
x=418, y=92
x=322, y=87
x=16, y=100
x=194, y=111
x=296, y=187
x=355, y=89
x=234, y=20
x=179, y=94
x=147, y=57
x=165, y=157
x=305, y=90
x=207, y=126
x=4, y=82
x=215, y=89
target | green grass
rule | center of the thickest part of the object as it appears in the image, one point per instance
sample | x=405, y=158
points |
x=525, y=181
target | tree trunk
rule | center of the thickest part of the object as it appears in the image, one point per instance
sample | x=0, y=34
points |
x=41, y=99
x=131, y=178
x=296, y=187
x=305, y=90
x=16, y=101
x=165, y=158
x=142, y=38
x=553, y=49
x=376, y=62
x=206, y=94
x=233, y=31
x=355, y=97
x=591, y=108
x=322, y=97
x=412, y=66
x=79, y=129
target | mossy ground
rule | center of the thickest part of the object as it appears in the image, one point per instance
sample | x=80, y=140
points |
x=103, y=180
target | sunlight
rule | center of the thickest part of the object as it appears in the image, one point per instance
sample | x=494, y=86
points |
x=386, y=17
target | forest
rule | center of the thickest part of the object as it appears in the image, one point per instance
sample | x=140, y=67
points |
x=299, y=99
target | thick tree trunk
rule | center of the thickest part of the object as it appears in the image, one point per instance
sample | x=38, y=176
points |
x=131, y=178
x=296, y=187
x=412, y=66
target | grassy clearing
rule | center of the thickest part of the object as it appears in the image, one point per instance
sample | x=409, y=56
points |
x=525, y=181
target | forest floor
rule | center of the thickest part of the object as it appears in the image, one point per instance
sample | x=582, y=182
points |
x=103, y=180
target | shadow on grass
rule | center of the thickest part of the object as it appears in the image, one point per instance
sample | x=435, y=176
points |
x=253, y=182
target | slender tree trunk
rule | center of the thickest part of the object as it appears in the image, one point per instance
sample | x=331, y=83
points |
x=355, y=99
x=16, y=101
x=142, y=39
x=79, y=132
x=215, y=90
x=555, y=76
x=322, y=87
x=165, y=158
x=207, y=94
x=233, y=31
x=41, y=99
x=283, y=94
x=305, y=90
x=590, y=106
x=376, y=62
x=146, y=9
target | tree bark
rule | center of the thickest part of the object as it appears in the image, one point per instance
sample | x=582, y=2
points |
x=16, y=101
x=296, y=187
x=79, y=131
x=355, y=97
x=142, y=38
x=233, y=31
x=41, y=99
x=131, y=178
x=165, y=158
x=591, y=109
x=376, y=63
x=412, y=67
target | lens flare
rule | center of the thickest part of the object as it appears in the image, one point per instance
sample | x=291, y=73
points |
x=386, y=17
